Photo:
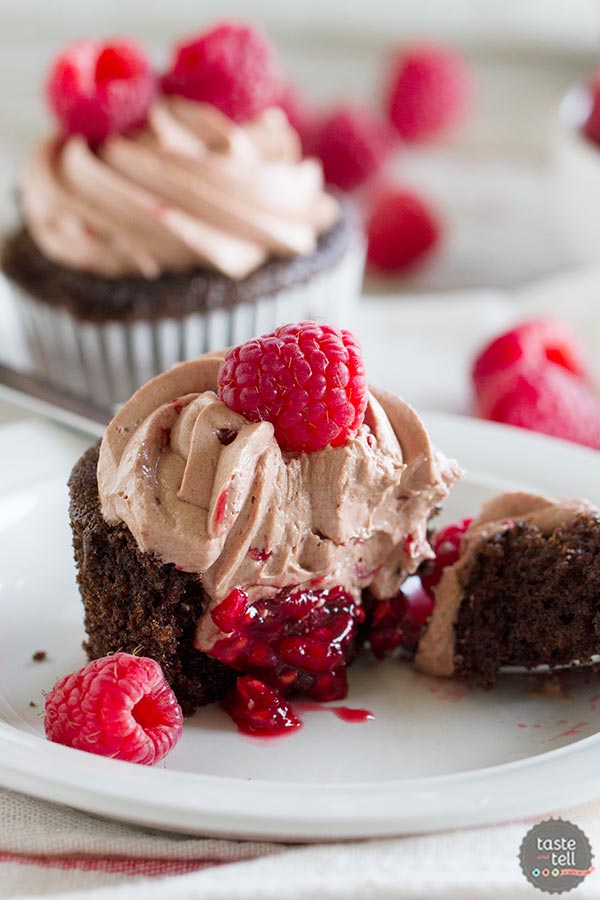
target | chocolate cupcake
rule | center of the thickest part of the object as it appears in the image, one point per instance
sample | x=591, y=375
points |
x=145, y=245
x=524, y=591
x=203, y=540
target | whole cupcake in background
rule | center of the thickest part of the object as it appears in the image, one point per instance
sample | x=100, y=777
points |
x=244, y=513
x=171, y=216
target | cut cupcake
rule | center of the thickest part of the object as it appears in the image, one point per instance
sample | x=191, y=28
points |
x=154, y=235
x=523, y=590
x=207, y=538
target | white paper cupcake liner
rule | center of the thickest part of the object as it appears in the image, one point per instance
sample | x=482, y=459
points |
x=108, y=362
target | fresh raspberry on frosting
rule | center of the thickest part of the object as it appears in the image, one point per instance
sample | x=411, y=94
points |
x=118, y=706
x=259, y=709
x=352, y=144
x=401, y=230
x=308, y=380
x=430, y=88
x=230, y=66
x=97, y=89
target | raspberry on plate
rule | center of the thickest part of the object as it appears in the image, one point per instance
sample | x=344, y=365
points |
x=352, y=144
x=97, y=89
x=258, y=709
x=118, y=706
x=231, y=66
x=308, y=380
x=535, y=376
x=535, y=343
x=401, y=230
x=548, y=399
x=430, y=88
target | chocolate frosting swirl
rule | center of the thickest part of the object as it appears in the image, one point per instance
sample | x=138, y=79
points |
x=190, y=189
x=203, y=488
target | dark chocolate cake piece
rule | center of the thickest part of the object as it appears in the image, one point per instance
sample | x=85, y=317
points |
x=135, y=603
x=525, y=591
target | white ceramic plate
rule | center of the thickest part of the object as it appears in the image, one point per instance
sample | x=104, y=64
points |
x=436, y=755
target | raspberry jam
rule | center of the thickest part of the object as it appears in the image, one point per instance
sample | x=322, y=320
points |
x=296, y=642
x=399, y=621
x=258, y=709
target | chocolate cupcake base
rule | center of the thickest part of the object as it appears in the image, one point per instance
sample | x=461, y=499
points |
x=103, y=338
x=134, y=603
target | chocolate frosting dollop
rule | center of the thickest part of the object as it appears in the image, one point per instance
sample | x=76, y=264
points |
x=203, y=488
x=435, y=654
x=191, y=188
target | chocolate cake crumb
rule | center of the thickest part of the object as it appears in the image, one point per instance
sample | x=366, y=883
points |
x=135, y=603
x=32, y=704
x=531, y=599
x=40, y=656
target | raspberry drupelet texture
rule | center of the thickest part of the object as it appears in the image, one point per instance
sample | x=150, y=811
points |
x=308, y=380
x=231, y=66
x=118, y=706
x=98, y=89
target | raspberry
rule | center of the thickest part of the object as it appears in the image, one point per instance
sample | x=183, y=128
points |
x=430, y=88
x=549, y=399
x=446, y=546
x=536, y=344
x=399, y=621
x=231, y=66
x=308, y=380
x=296, y=642
x=118, y=706
x=591, y=128
x=401, y=230
x=100, y=89
x=535, y=377
x=258, y=709
x=352, y=144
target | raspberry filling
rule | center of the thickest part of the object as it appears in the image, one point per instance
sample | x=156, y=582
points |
x=296, y=642
x=258, y=709
x=398, y=621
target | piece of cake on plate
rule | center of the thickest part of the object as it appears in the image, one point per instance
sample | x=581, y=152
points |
x=520, y=587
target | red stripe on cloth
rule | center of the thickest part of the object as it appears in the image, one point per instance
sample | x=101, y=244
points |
x=147, y=867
